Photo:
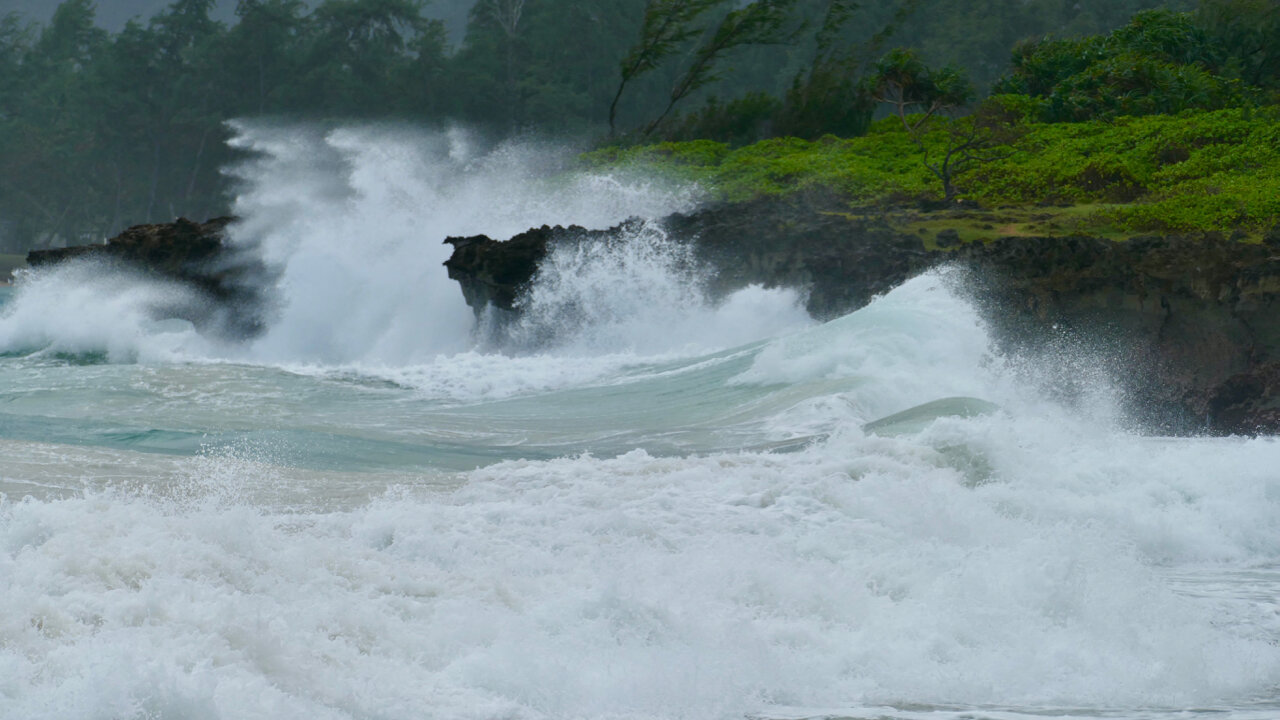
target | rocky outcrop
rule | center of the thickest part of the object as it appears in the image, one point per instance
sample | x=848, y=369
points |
x=1188, y=327
x=197, y=254
x=494, y=272
x=841, y=260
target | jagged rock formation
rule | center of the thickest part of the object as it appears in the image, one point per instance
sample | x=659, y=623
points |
x=1188, y=326
x=842, y=260
x=197, y=254
x=493, y=272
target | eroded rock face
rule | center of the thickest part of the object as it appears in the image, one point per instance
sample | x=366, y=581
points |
x=233, y=279
x=495, y=272
x=1189, y=326
x=840, y=260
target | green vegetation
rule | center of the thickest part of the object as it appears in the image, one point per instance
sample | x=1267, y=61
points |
x=1168, y=124
x=1160, y=62
x=1196, y=171
x=100, y=130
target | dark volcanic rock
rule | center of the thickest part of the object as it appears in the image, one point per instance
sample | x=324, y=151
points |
x=182, y=250
x=840, y=260
x=196, y=254
x=493, y=272
x=1189, y=326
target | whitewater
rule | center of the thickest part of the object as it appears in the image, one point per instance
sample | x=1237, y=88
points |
x=635, y=501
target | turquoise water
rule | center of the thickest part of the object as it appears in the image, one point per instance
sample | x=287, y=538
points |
x=665, y=507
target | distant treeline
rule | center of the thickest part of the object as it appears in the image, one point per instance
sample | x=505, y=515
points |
x=99, y=131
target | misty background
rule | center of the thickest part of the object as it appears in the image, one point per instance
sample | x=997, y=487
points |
x=113, y=14
x=115, y=113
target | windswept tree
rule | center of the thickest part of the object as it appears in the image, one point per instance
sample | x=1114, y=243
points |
x=828, y=95
x=915, y=92
x=918, y=95
x=668, y=26
x=758, y=23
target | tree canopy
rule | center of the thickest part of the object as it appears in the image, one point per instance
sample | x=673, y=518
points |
x=100, y=129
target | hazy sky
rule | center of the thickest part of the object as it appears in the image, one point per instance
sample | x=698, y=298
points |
x=113, y=14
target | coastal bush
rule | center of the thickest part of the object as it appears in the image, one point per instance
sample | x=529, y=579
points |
x=1217, y=170
x=1161, y=62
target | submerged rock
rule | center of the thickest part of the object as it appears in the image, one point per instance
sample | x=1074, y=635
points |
x=196, y=254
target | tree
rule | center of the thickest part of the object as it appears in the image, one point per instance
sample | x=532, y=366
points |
x=829, y=97
x=15, y=44
x=360, y=48
x=1161, y=62
x=1249, y=33
x=508, y=16
x=261, y=54
x=914, y=91
x=918, y=95
x=71, y=38
x=668, y=25
x=758, y=22
x=52, y=139
x=570, y=52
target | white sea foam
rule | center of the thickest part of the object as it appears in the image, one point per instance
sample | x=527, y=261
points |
x=643, y=292
x=859, y=572
x=356, y=219
x=353, y=219
x=87, y=308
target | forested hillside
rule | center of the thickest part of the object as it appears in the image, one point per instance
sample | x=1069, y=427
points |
x=103, y=129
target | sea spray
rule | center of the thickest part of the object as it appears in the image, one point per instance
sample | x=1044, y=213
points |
x=640, y=291
x=90, y=309
x=353, y=222
x=355, y=219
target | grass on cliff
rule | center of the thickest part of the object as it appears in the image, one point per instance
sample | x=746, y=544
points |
x=1192, y=172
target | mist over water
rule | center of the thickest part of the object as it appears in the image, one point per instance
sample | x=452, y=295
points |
x=636, y=501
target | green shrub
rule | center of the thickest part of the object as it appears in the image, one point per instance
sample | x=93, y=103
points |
x=1161, y=62
x=1216, y=170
